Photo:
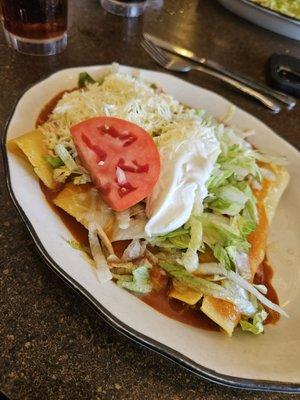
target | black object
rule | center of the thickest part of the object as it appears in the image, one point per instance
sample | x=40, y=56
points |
x=283, y=73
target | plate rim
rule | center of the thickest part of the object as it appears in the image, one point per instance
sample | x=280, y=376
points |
x=274, y=13
x=278, y=14
x=105, y=314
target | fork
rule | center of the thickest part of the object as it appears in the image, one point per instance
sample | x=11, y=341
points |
x=178, y=64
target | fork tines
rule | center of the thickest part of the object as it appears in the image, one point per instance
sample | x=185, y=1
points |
x=155, y=52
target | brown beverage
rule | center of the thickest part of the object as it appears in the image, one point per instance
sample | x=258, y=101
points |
x=35, y=19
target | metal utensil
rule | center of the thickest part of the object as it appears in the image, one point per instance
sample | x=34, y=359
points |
x=288, y=100
x=177, y=64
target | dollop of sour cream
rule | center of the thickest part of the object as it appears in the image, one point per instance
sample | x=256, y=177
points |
x=188, y=153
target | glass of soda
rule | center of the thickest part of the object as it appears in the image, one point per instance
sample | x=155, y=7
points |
x=37, y=27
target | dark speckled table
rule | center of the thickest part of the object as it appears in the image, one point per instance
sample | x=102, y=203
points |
x=52, y=344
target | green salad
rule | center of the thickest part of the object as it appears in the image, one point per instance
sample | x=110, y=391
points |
x=290, y=8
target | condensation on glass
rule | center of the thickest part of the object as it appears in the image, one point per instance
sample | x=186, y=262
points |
x=125, y=8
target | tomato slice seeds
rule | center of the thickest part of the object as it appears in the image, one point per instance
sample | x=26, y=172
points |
x=121, y=158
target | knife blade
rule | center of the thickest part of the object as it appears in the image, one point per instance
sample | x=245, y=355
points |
x=181, y=51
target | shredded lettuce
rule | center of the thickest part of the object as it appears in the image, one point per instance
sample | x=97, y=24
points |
x=240, y=281
x=176, y=239
x=218, y=230
x=229, y=200
x=208, y=288
x=241, y=294
x=78, y=246
x=102, y=269
x=55, y=162
x=240, y=261
x=224, y=237
x=190, y=258
x=180, y=242
x=218, y=178
x=84, y=79
x=238, y=160
x=234, y=289
x=256, y=326
x=232, y=258
x=178, y=232
x=261, y=288
x=65, y=156
x=230, y=213
x=139, y=282
x=250, y=211
x=244, y=225
x=229, y=195
x=222, y=255
x=290, y=8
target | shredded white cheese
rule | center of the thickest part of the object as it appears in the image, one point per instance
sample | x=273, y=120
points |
x=120, y=95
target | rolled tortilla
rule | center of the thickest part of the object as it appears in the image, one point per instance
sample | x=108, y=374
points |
x=32, y=146
x=222, y=312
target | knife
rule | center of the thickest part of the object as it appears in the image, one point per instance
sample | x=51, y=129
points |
x=181, y=51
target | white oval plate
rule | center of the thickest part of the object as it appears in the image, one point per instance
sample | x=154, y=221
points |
x=266, y=362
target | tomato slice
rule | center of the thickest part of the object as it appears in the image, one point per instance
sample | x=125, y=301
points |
x=121, y=157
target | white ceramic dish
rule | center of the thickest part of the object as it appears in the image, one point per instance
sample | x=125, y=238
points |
x=264, y=17
x=267, y=362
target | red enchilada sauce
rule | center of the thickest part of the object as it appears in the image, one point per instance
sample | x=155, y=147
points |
x=178, y=310
x=159, y=299
x=49, y=107
x=78, y=231
x=263, y=276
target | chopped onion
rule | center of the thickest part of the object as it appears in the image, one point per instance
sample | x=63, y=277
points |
x=121, y=177
x=134, y=250
x=136, y=230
